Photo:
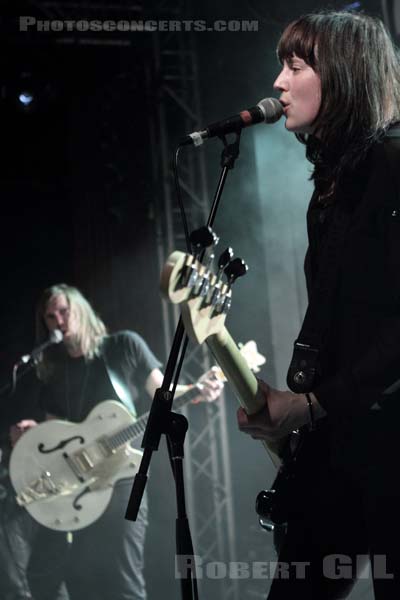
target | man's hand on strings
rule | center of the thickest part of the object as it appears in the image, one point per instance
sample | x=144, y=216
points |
x=210, y=386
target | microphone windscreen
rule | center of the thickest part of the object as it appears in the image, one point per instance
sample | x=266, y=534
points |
x=56, y=336
x=271, y=108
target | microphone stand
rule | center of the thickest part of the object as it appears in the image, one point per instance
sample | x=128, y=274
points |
x=8, y=389
x=174, y=426
x=30, y=361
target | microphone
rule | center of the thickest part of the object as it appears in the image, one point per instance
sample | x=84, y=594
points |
x=268, y=110
x=55, y=337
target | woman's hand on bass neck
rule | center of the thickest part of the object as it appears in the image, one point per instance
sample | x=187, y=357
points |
x=284, y=411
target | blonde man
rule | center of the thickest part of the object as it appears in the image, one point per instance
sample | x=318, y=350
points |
x=106, y=558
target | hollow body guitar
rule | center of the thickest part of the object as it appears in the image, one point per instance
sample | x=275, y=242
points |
x=63, y=473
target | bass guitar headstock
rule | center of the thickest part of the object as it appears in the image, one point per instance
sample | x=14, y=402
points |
x=204, y=296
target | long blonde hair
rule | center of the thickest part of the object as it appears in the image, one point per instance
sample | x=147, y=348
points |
x=91, y=328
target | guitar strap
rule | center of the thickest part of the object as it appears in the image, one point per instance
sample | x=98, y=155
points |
x=304, y=367
x=115, y=375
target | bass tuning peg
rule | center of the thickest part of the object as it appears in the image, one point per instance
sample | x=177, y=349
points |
x=203, y=238
x=224, y=260
x=236, y=268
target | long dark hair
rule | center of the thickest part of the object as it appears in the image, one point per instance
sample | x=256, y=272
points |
x=359, y=69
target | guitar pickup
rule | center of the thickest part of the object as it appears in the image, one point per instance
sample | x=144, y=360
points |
x=74, y=466
x=83, y=462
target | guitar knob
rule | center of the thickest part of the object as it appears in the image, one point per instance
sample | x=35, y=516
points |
x=265, y=503
x=236, y=268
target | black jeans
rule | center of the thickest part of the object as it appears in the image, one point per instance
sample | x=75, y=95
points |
x=18, y=534
x=349, y=509
x=103, y=562
x=107, y=557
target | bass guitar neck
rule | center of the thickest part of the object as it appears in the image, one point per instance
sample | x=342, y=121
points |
x=241, y=379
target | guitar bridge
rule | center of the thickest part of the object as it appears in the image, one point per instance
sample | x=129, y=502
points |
x=44, y=487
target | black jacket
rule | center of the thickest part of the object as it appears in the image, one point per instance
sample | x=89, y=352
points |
x=360, y=360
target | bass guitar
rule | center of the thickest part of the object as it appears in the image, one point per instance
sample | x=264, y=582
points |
x=204, y=300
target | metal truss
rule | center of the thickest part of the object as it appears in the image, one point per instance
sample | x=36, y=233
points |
x=207, y=464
